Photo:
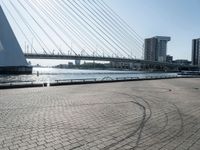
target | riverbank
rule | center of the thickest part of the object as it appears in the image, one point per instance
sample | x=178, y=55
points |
x=65, y=82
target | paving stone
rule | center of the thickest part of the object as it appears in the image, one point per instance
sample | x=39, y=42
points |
x=160, y=114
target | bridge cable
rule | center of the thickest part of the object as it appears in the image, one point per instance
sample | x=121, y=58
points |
x=17, y=25
x=97, y=15
x=120, y=23
x=115, y=15
x=86, y=38
x=92, y=27
x=99, y=28
x=41, y=26
x=29, y=28
x=101, y=24
x=35, y=10
x=63, y=22
x=65, y=7
x=52, y=20
x=104, y=26
x=75, y=19
x=105, y=20
x=118, y=28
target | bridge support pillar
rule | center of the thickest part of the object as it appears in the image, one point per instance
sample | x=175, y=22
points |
x=12, y=59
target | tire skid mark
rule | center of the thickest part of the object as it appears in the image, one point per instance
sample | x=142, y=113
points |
x=166, y=138
x=144, y=120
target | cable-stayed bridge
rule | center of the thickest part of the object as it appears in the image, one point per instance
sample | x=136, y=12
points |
x=72, y=29
x=86, y=27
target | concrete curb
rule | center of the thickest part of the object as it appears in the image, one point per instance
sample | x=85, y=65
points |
x=32, y=85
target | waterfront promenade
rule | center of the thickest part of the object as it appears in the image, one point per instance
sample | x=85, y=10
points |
x=153, y=115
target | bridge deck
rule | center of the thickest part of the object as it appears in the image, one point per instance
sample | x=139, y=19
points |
x=97, y=58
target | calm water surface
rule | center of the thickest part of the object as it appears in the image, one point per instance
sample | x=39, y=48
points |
x=52, y=74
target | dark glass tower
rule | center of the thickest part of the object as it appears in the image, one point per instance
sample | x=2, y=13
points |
x=196, y=52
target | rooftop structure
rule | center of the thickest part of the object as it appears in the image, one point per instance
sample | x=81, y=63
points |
x=156, y=48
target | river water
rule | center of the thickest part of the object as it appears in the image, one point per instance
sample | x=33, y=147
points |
x=53, y=74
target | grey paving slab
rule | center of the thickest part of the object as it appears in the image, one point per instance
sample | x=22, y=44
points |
x=153, y=115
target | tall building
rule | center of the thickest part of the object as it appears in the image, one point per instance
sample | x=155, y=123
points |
x=196, y=52
x=156, y=48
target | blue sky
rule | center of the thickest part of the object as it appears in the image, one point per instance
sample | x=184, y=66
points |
x=179, y=19
x=176, y=18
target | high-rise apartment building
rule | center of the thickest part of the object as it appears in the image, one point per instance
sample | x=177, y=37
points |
x=196, y=52
x=156, y=48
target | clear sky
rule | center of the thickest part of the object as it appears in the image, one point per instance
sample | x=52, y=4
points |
x=179, y=19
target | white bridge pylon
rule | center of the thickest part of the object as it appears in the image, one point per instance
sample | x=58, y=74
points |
x=11, y=54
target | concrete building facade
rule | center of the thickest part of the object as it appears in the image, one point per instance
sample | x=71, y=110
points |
x=196, y=52
x=156, y=48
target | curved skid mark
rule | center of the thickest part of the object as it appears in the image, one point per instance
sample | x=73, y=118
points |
x=142, y=124
x=164, y=139
x=167, y=138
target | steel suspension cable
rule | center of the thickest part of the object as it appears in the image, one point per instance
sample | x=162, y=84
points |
x=64, y=23
x=41, y=43
x=49, y=25
x=118, y=28
x=17, y=25
x=99, y=27
x=53, y=21
x=104, y=27
x=119, y=22
x=106, y=20
x=75, y=21
x=109, y=9
x=55, y=44
x=66, y=6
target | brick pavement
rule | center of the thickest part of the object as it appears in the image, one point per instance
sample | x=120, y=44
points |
x=161, y=114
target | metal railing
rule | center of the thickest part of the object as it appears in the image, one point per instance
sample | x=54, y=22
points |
x=76, y=80
x=33, y=83
x=17, y=82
